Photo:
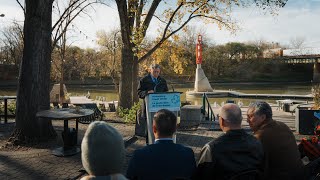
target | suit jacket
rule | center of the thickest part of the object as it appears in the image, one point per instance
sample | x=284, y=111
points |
x=146, y=84
x=162, y=160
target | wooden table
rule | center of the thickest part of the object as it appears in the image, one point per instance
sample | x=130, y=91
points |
x=5, y=98
x=65, y=114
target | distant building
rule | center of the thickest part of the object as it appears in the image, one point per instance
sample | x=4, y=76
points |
x=272, y=53
x=301, y=52
x=279, y=52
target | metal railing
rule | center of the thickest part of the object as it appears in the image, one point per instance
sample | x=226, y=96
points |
x=209, y=115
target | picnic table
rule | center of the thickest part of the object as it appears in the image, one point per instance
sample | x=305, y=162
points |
x=66, y=114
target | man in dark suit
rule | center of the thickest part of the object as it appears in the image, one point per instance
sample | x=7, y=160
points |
x=163, y=159
x=149, y=84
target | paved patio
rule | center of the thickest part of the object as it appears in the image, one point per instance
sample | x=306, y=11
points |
x=38, y=163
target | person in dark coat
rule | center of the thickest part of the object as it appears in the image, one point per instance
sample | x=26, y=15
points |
x=164, y=159
x=233, y=152
x=151, y=83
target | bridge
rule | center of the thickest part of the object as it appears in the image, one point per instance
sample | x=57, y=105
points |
x=298, y=56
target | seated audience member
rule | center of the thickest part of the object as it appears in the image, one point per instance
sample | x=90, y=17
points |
x=279, y=144
x=233, y=152
x=164, y=159
x=103, y=153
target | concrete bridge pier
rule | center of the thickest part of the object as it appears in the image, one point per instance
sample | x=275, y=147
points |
x=316, y=71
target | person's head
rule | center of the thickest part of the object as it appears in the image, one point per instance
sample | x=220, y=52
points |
x=155, y=70
x=230, y=117
x=164, y=124
x=258, y=113
x=102, y=150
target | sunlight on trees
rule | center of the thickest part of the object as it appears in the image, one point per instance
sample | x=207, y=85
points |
x=135, y=18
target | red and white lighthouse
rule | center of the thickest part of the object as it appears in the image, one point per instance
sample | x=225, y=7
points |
x=201, y=83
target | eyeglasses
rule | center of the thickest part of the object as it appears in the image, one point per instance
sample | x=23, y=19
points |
x=249, y=116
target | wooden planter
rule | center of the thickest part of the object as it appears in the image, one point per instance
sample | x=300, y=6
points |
x=305, y=121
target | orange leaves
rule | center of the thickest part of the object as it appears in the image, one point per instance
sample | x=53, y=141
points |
x=172, y=55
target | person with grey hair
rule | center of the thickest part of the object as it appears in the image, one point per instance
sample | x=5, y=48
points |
x=282, y=155
x=102, y=152
x=151, y=83
x=233, y=152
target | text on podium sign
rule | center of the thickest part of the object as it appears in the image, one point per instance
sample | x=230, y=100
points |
x=170, y=101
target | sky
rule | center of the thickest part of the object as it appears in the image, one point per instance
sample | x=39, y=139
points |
x=298, y=19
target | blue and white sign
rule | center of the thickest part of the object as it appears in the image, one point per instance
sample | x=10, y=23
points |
x=170, y=101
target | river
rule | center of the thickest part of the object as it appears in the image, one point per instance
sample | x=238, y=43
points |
x=110, y=94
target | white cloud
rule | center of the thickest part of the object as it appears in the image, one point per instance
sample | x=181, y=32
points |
x=292, y=21
x=103, y=18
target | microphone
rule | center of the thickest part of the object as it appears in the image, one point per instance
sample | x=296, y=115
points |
x=172, y=88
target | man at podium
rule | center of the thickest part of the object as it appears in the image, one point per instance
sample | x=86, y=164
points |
x=149, y=84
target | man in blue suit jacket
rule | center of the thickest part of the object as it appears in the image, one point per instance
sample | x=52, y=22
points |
x=163, y=159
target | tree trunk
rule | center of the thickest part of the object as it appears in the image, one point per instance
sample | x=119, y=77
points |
x=135, y=72
x=34, y=76
x=125, y=94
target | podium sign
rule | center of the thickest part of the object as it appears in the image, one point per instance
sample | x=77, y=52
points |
x=170, y=101
x=157, y=101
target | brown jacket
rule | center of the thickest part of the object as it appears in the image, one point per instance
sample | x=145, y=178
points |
x=281, y=151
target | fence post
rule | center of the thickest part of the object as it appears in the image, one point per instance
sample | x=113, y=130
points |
x=203, y=103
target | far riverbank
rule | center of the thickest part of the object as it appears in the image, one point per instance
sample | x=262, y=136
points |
x=108, y=83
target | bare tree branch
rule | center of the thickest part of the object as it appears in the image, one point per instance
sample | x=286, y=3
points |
x=149, y=16
x=170, y=20
x=22, y=7
x=154, y=48
x=64, y=29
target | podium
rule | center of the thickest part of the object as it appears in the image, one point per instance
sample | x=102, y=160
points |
x=162, y=100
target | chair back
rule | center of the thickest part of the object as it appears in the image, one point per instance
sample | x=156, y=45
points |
x=96, y=115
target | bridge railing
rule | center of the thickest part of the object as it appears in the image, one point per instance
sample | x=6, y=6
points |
x=209, y=115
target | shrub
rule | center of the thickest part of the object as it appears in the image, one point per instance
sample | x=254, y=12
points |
x=316, y=98
x=129, y=115
x=11, y=108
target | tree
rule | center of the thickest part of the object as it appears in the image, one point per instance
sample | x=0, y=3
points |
x=34, y=78
x=216, y=61
x=13, y=44
x=111, y=46
x=136, y=15
x=66, y=15
x=297, y=42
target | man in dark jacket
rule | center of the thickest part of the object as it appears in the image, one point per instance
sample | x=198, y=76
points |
x=233, y=152
x=163, y=159
x=151, y=83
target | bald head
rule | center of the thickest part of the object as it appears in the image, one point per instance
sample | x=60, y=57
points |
x=231, y=113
